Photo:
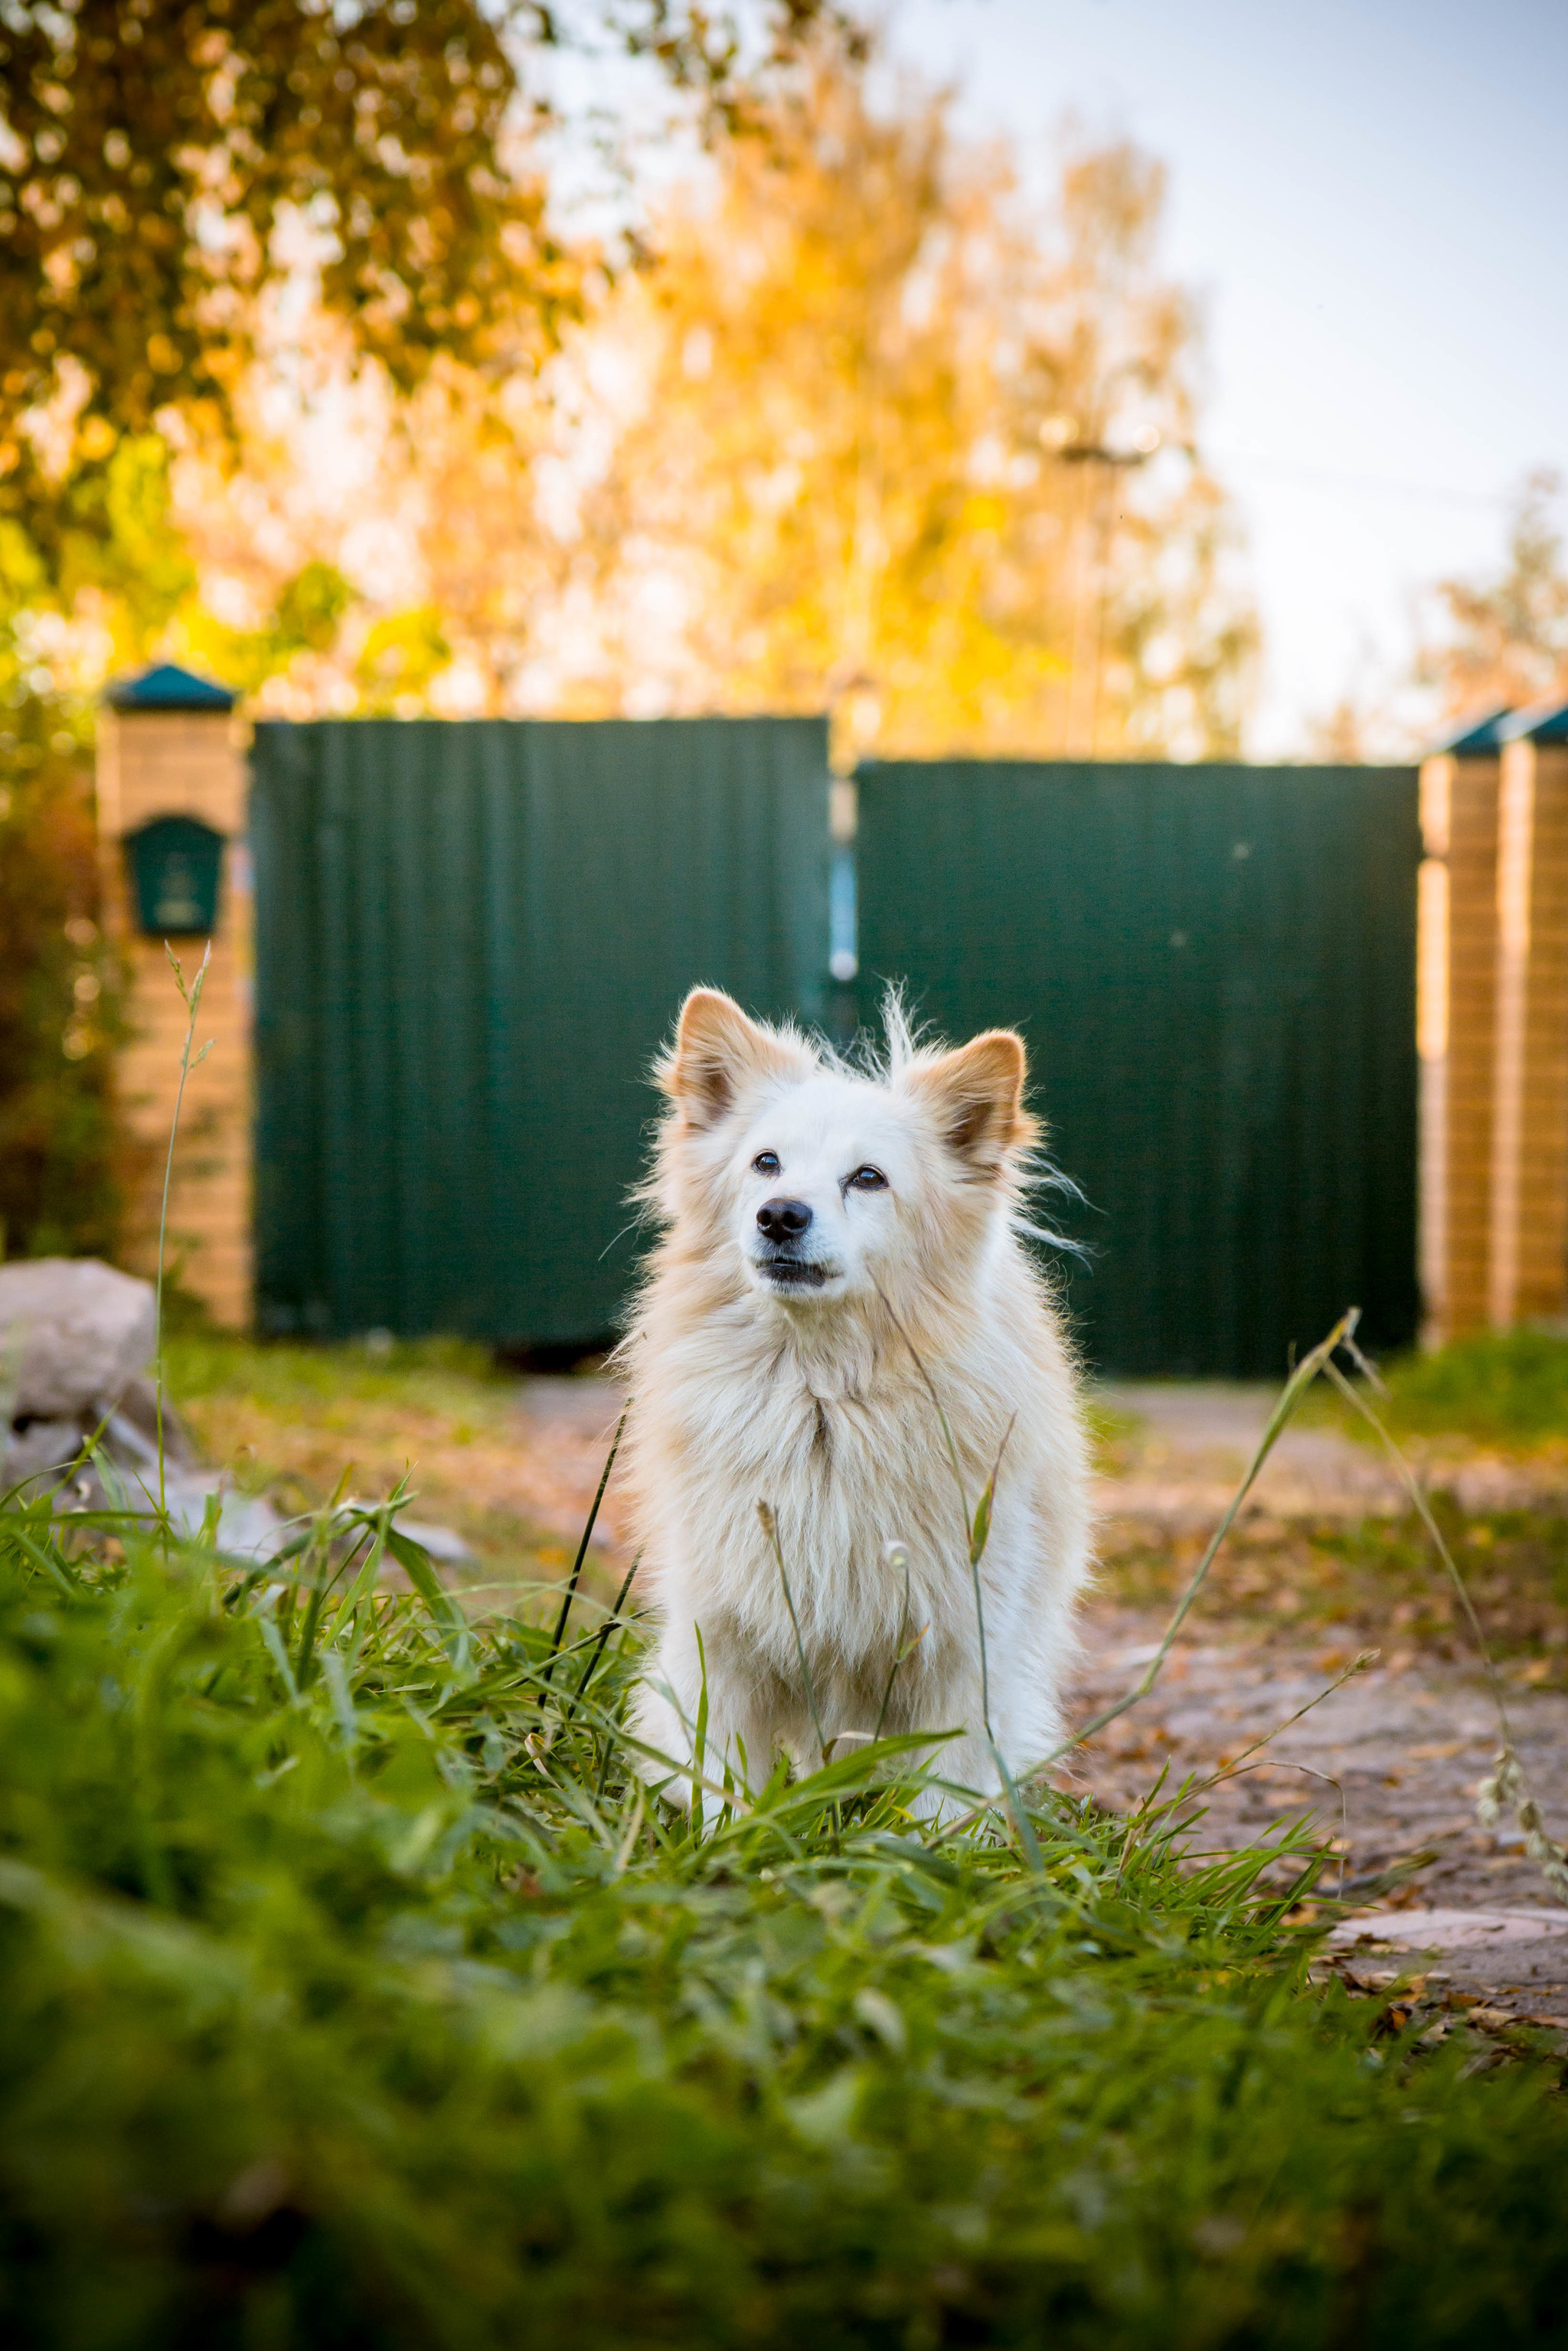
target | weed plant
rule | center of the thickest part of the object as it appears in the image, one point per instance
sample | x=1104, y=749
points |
x=356, y=1992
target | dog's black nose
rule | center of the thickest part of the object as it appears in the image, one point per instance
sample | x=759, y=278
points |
x=783, y=1220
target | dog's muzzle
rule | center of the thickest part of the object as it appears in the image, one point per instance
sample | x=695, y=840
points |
x=783, y=1226
x=793, y=1272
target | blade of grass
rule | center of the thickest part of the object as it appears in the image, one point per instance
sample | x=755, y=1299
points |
x=604, y=1632
x=699, y=1742
x=582, y=1548
x=449, y=1620
x=1361, y=1665
x=321, y=1583
x=897, y=1555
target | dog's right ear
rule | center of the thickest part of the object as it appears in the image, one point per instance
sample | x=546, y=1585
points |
x=977, y=1094
x=719, y=1051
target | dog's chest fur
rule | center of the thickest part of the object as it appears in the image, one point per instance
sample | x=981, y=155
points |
x=840, y=1434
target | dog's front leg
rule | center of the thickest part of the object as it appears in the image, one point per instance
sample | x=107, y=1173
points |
x=689, y=1690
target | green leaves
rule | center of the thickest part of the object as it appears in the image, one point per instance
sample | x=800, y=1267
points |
x=166, y=165
x=157, y=152
x=445, y=1612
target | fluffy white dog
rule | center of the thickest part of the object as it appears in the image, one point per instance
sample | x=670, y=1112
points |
x=823, y=1226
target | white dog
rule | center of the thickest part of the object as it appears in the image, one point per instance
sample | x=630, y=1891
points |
x=823, y=1228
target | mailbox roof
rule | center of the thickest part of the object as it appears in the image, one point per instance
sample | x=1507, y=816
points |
x=166, y=687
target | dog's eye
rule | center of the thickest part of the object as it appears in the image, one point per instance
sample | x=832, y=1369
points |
x=766, y=1164
x=868, y=1179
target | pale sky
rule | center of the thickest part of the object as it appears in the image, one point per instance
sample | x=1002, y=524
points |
x=1371, y=202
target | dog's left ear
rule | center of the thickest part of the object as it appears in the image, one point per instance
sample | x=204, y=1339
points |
x=719, y=1051
x=977, y=1096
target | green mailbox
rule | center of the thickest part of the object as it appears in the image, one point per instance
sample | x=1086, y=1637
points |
x=176, y=862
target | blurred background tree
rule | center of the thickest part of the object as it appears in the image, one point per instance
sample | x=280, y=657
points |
x=302, y=380
x=183, y=184
x=902, y=446
x=62, y=1165
x=1484, y=644
x=1505, y=640
x=872, y=431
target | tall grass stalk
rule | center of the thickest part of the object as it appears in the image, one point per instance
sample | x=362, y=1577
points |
x=576, y=1575
x=1507, y=1787
x=597, y=1651
x=895, y=1556
x=192, y=998
x=1291, y=1395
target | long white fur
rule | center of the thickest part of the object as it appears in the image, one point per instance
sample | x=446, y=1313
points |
x=813, y=1402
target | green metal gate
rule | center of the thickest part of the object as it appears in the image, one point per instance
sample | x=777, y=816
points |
x=471, y=938
x=1215, y=969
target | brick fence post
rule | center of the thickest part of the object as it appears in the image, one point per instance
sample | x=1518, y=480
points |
x=1527, y=1265
x=170, y=745
x=1456, y=1027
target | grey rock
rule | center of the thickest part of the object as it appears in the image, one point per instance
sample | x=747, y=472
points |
x=138, y=1406
x=247, y=1525
x=443, y=1544
x=75, y=1337
x=36, y=1448
x=73, y=1334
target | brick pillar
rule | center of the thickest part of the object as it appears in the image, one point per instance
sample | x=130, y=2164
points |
x=1527, y=1269
x=171, y=745
x=1456, y=1030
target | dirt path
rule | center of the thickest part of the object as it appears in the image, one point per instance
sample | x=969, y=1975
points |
x=1389, y=1763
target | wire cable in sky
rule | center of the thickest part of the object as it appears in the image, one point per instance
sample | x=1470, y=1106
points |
x=1319, y=477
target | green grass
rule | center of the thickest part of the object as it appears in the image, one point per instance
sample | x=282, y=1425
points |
x=1375, y=1580
x=287, y=1419
x=356, y=1996
x=1109, y=1427
x=292, y=1376
x=1508, y=1387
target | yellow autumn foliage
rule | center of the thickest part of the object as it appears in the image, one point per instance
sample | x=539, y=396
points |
x=857, y=475
x=874, y=432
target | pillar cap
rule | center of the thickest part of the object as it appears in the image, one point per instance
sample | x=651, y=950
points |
x=1477, y=734
x=164, y=686
x=1543, y=722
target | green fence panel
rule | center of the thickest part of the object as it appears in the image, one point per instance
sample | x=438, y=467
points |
x=1214, y=968
x=471, y=938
